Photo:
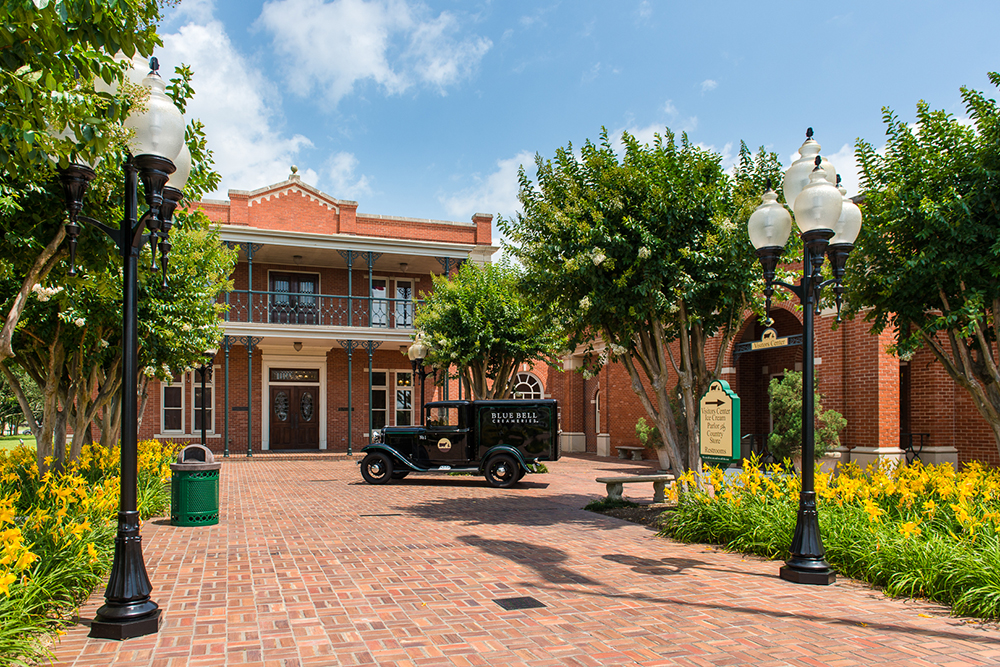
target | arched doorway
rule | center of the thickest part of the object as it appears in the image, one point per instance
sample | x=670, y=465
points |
x=755, y=369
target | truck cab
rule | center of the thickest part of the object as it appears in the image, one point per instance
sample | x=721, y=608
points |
x=501, y=440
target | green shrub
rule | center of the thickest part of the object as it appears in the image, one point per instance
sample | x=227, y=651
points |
x=649, y=436
x=917, y=531
x=785, y=405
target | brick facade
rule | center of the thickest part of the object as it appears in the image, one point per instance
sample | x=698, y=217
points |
x=295, y=229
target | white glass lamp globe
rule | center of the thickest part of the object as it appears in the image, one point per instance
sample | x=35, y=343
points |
x=417, y=351
x=135, y=72
x=69, y=133
x=158, y=124
x=770, y=224
x=819, y=204
x=179, y=178
x=797, y=176
x=849, y=224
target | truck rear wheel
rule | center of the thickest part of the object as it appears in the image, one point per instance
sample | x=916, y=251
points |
x=376, y=468
x=502, y=471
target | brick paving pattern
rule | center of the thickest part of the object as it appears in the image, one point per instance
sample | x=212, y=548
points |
x=310, y=566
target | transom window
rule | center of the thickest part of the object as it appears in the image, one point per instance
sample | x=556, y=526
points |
x=528, y=387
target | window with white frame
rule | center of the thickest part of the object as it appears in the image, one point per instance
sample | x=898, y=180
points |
x=404, y=304
x=197, y=398
x=527, y=387
x=379, y=390
x=379, y=316
x=404, y=398
x=172, y=404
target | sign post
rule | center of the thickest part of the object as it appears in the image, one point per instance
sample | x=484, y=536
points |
x=720, y=424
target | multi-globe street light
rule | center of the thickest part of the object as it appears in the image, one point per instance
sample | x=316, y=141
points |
x=828, y=224
x=158, y=156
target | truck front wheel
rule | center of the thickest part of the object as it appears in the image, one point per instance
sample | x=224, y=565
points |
x=376, y=468
x=502, y=471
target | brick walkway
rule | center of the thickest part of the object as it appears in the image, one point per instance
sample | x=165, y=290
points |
x=310, y=566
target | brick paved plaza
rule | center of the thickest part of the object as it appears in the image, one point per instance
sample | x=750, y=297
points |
x=310, y=566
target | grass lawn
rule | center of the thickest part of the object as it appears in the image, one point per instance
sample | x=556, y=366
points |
x=12, y=441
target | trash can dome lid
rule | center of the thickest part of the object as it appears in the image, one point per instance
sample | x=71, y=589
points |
x=195, y=454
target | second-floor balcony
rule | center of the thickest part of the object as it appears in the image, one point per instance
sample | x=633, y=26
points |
x=307, y=308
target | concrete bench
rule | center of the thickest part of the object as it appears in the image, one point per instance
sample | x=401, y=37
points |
x=636, y=452
x=615, y=485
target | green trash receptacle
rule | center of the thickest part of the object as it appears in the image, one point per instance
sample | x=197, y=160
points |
x=194, y=488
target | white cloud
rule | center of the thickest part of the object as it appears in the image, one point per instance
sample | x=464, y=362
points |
x=231, y=100
x=340, y=171
x=332, y=46
x=645, y=9
x=708, y=85
x=846, y=165
x=495, y=193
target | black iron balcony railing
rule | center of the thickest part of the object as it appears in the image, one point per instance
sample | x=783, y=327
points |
x=255, y=307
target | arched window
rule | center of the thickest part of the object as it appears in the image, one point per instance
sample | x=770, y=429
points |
x=528, y=387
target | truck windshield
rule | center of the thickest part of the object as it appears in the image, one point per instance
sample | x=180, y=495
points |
x=444, y=417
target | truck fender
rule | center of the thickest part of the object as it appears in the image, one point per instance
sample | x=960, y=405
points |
x=397, y=458
x=505, y=449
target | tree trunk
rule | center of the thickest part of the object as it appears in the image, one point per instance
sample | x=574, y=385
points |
x=39, y=270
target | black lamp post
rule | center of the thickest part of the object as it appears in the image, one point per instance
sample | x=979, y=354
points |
x=828, y=223
x=209, y=358
x=417, y=353
x=158, y=156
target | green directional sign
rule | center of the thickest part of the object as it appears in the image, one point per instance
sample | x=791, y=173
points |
x=720, y=424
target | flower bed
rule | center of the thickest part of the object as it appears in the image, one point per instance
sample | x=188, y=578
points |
x=57, y=537
x=917, y=531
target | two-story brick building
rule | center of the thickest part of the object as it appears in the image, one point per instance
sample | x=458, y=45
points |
x=319, y=320
x=321, y=317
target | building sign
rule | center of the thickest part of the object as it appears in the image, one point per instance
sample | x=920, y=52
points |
x=293, y=375
x=720, y=424
x=768, y=340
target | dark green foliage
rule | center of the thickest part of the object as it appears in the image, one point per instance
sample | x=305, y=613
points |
x=785, y=440
x=927, y=261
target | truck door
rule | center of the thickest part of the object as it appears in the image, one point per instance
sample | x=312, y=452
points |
x=447, y=436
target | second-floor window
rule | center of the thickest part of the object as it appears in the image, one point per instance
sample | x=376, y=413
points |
x=404, y=304
x=379, y=304
x=294, y=298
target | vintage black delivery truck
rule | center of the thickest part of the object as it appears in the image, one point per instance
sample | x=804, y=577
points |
x=502, y=440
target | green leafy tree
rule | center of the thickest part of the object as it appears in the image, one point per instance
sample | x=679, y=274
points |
x=51, y=53
x=648, y=253
x=68, y=329
x=478, y=321
x=927, y=261
x=785, y=440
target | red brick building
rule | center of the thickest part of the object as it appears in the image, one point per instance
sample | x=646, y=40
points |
x=321, y=317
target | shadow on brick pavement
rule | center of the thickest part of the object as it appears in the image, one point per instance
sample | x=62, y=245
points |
x=310, y=566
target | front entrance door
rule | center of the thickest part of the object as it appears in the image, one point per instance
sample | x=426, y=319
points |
x=294, y=417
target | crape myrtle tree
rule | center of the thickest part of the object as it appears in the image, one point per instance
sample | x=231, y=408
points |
x=479, y=321
x=644, y=249
x=927, y=261
x=51, y=53
x=65, y=332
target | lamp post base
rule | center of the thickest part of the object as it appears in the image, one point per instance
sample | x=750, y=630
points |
x=815, y=577
x=127, y=629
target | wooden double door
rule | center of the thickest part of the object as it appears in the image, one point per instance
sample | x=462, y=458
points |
x=295, y=417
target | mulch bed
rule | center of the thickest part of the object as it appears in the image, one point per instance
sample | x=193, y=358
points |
x=647, y=515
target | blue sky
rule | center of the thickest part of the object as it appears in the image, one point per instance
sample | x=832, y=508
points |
x=426, y=109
